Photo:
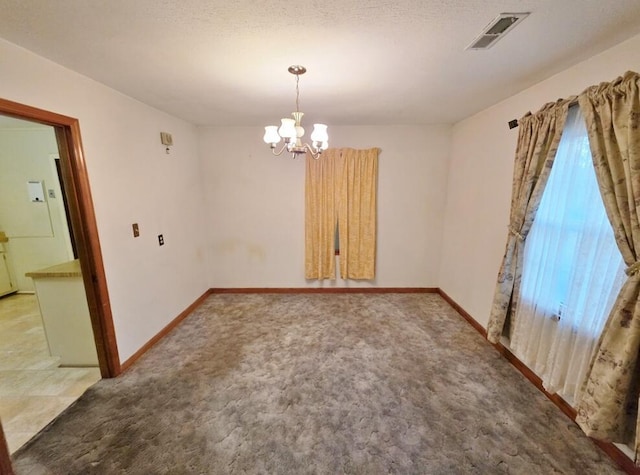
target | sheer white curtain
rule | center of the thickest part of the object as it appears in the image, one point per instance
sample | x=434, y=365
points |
x=572, y=270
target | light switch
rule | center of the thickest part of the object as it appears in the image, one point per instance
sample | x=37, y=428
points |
x=136, y=230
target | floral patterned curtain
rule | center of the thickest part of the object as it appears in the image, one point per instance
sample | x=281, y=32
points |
x=608, y=409
x=538, y=140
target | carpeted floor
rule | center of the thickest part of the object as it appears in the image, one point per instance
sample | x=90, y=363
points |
x=323, y=384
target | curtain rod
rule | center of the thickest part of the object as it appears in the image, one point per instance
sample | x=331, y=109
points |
x=572, y=102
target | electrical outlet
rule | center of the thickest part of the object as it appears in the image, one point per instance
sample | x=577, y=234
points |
x=136, y=230
x=160, y=239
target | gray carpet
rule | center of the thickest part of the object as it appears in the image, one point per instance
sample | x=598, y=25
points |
x=322, y=384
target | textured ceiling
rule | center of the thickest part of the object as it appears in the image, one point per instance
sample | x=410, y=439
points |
x=217, y=62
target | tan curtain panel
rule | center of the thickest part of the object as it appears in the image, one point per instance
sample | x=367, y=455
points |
x=538, y=139
x=608, y=408
x=357, y=213
x=320, y=215
x=341, y=188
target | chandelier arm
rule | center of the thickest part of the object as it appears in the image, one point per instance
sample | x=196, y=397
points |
x=310, y=151
x=305, y=148
x=277, y=154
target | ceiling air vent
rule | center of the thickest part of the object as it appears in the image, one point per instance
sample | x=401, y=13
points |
x=496, y=30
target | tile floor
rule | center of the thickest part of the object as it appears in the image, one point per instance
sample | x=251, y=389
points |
x=33, y=389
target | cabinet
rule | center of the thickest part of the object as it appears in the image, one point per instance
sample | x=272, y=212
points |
x=65, y=314
x=7, y=283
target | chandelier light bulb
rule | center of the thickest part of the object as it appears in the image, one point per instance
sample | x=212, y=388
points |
x=288, y=129
x=319, y=133
x=271, y=135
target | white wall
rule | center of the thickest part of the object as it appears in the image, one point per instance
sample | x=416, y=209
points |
x=132, y=180
x=38, y=232
x=255, y=206
x=481, y=167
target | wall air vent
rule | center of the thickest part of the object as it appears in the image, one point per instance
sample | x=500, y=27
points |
x=495, y=30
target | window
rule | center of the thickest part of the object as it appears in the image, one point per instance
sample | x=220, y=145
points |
x=572, y=269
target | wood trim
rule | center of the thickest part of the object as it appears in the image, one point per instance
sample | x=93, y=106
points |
x=619, y=457
x=75, y=181
x=472, y=321
x=34, y=114
x=164, y=332
x=535, y=380
x=325, y=290
x=85, y=230
x=5, y=458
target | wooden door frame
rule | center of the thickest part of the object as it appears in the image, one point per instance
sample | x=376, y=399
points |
x=5, y=459
x=75, y=181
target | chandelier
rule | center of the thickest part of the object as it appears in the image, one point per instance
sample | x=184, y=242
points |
x=292, y=131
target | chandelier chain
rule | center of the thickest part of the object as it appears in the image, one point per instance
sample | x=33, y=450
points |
x=297, y=93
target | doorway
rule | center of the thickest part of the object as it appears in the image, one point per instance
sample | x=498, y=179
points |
x=85, y=233
x=47, y=351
